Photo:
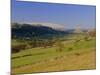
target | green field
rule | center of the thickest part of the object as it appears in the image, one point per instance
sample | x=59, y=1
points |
x=77, y=55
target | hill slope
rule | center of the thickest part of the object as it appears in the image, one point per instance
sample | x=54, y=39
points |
x=29, y=31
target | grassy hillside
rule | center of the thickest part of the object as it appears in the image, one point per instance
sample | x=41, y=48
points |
x=76, y=53
x=84, y=61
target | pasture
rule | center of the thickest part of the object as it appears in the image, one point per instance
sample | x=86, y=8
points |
x=73, y=53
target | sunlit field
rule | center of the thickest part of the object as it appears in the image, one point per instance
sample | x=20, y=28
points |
x=72, y=52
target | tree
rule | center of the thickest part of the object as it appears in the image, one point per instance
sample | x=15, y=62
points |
x=92, y=33
x=59, y=45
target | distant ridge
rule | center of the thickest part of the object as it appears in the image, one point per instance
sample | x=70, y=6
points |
x=32, y=30
x=51, y=25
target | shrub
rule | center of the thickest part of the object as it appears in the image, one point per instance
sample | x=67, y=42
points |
x=77, y=54
x=70, y=48
x=17, y=48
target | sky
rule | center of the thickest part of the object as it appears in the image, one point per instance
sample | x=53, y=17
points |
x=68, y=15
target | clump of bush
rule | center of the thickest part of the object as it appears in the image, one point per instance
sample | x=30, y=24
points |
x=18, y=48
x=92, y=33
x=70, y=48
x=59, y=45
x=77, y=54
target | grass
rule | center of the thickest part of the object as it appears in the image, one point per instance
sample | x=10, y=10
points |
x=47, y=59
x=86, y=60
